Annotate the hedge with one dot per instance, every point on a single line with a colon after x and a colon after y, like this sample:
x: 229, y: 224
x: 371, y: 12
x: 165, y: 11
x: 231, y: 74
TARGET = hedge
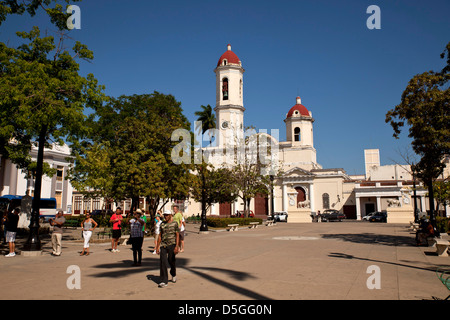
x: 443, y: 224
x: 224, y: 222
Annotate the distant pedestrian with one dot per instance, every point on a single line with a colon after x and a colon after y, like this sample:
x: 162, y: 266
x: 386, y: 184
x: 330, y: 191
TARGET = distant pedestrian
x: 116, y: 220
x: 4, y: 219
x: 137, y: 236
x: 144, y: 218
x: 178, y: 218
x: 11, y: 231
x: 177, y: 215
x: 88, y: 226
x: 158, y: 221
x: 182, y: 234
x: 57, y: 224
x: 167, y: 247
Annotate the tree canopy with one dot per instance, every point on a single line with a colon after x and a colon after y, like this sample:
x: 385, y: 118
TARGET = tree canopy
x: 42, y: 95
x: 425, y: 109
x: 127, y: 153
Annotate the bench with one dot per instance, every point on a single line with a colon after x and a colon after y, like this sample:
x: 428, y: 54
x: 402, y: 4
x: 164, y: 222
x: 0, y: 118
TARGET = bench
x: 105, y: 232
x: 444, y: 276
x: 269, y: 223
x: 441, y: 246
x: 233, y: 227
x: 71, y: 224
x: 253, y: 225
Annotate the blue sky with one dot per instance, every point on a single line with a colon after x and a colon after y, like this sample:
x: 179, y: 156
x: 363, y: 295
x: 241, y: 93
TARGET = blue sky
x: 347, y: 75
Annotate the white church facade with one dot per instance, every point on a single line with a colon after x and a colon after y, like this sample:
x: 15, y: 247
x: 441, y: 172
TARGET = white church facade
x: 302, y: 185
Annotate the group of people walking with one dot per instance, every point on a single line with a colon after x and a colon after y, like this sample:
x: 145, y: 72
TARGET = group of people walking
x: 169, y: 239
x: 169, y: 236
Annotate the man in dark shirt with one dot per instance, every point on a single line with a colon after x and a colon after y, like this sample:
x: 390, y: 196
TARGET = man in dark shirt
x: 11, y: 231
x: 167, y: 247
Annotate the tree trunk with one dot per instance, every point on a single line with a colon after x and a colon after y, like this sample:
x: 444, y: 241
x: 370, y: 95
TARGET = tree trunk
x: 431, y: 200
x: 34, y: 243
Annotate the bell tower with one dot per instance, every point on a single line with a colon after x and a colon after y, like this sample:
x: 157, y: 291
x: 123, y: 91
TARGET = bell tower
x: 229, y: 97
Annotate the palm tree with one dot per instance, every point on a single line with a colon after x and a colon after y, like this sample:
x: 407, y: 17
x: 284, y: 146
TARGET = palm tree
x: 207, y: 118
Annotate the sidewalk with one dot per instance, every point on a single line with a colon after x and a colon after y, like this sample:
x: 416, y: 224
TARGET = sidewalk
x: 326, y: 261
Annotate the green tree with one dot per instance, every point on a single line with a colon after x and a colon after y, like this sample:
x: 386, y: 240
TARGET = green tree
x: 207, y: 120
x: 425, y: 109
x: 127, y: 154
x: 441, y: 190
x: 42, y: 96
x: 42, y: 100
x: 212, y: 185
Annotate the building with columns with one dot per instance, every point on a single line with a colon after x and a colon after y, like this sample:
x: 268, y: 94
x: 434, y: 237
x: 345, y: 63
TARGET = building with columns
x: 303, y: 182
x: 13, y: 181
x: 304, y: 186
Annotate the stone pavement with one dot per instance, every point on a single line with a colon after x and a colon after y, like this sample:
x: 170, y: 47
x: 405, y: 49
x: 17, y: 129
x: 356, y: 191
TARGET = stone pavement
x: 318, y: 261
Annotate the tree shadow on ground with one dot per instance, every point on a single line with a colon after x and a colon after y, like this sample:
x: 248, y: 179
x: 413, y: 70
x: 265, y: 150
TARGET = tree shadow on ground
x: 124, y: 268
x: 372, y: 238
x: 405, y: 265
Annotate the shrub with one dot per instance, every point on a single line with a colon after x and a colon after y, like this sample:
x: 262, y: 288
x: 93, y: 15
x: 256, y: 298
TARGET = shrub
x: 224, y: 222
x: 442, y: 224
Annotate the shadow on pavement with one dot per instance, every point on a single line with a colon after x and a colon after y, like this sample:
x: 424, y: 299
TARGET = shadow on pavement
x: 349, y: 256
x: 124, y: 268
x: 372, y: 238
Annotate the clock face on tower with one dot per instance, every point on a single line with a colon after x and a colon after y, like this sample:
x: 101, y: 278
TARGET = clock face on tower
x: 225, y: 125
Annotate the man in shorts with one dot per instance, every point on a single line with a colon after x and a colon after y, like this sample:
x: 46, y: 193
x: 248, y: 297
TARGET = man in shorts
x: 116, y: 220
x: 11, y: 231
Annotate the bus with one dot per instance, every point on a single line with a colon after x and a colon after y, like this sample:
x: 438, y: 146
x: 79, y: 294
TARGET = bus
x: 46, y: 210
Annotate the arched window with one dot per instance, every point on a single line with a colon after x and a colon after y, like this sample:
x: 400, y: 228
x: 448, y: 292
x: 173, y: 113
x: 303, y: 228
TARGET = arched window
x: 297, y: 134
x: 326, y: 201
x: 225, y: 88
x: 240, y: 89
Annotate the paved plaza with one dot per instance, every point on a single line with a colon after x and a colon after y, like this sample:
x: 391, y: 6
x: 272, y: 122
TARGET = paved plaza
x: 330, y: 261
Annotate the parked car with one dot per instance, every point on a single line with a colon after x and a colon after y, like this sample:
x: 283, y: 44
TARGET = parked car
x: 367, y: 216
x: 280, y: 216
x: 378, y: 217
x: 331, y: 215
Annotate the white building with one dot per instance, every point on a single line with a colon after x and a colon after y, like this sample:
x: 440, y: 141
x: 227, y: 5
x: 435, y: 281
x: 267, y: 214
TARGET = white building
x: 13, y: 180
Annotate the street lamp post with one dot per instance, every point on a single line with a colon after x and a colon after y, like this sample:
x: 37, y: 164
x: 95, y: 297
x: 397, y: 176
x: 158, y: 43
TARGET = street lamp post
x: 271, y: 196
x: 416, y: 213
x: 204, y: 225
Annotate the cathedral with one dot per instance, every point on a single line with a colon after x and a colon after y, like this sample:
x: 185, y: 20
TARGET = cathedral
x: 302, y: 186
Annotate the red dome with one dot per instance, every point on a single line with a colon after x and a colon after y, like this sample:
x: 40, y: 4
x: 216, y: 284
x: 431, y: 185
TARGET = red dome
x: 300, y: 108
x: 230, y: 56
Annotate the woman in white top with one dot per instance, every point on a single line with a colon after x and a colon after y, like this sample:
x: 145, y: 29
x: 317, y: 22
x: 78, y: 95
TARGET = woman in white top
x: 88, y: 226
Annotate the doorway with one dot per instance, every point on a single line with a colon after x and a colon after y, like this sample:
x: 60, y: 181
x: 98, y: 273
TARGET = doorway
x: 370, y: 207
